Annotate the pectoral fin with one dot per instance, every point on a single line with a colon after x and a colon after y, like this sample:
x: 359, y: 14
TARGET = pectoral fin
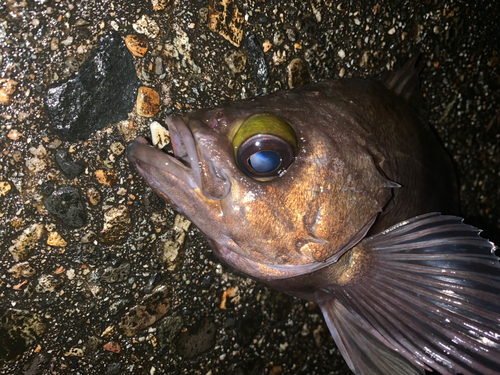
x: 432, y: 296
x: 363, y: 351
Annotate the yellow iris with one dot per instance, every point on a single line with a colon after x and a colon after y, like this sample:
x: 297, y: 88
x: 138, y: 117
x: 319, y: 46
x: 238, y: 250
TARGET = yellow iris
x: 265, y: 123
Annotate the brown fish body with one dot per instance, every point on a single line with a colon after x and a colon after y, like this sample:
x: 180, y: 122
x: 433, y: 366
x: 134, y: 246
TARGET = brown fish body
x: 344, y: 219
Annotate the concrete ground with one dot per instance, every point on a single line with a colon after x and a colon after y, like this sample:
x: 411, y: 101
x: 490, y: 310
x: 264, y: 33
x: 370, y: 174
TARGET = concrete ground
x: 77, y: 296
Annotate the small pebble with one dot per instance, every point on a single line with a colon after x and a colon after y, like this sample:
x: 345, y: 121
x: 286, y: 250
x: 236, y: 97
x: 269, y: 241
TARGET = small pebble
x: 151, y: 308
x: 14, y: 134
x: 17, y: 156
x: 70, y: 274
x: 266, y: 46
x: 117, y: 148
x: 158, y: 66
x: 112, y: 346
x: 278, y: 38
x: 147, y: 26
x: 236, y: 61
x: 148, y: 102
x: 67, y: 41
x: 228, y: 22
x: 74, y: 352
x: 106, y: 178
x: 298, y: 73
x: 88, y: 237
x: 55, y: 239
x: 25, y: 243
x: 72, y: 63
x: 291, y: 35
x: 7, y: 89
x: 47, y: 284
x: 160, y: 137
x: 38, y: 151
x: 4, y: 188
x: 54, y: 44
x: 159, y: 4
x: 117, y: 224
x: 93, y: 196
x: 137, y: 45
x: 22, y: 269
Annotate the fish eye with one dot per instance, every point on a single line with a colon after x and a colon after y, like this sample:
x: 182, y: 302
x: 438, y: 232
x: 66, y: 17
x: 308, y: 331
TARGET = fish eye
x: 265, y: 146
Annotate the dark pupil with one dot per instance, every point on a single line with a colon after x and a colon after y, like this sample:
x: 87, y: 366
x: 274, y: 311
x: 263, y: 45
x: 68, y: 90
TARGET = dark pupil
x: 265, y: 161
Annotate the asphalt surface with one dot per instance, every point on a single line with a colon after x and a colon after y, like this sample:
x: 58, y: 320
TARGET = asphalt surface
x: 71, y: 310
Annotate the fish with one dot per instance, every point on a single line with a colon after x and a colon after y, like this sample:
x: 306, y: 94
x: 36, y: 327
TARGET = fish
x: 338, y: 192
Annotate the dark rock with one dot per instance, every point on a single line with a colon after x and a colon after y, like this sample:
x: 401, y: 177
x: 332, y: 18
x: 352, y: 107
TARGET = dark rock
x: 67, y: 206
x: 117, y: 306
x: 257, y: 59
x: 48, y: 187
x: 309, y: 27
x: 153, y: 281
x: 152, y: 202
x: 230, y: 323
x: 103, y: 91
x: 263, y: 19
x: 152, y: 308
x: 168, y: 330
x: 247, y: 326
x: 206, y: 281
x: 197, y: 339
x: 118, y: 274
x: 37, y: 364
x: 19, y: 330
x: 113, y: 368
x: 70, y: 168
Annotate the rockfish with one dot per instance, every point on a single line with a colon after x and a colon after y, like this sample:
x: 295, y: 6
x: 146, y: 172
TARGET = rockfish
x: 337, y: 193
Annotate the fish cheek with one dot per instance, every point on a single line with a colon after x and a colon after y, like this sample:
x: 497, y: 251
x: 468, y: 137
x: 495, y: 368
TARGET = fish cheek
x: 257, y: 221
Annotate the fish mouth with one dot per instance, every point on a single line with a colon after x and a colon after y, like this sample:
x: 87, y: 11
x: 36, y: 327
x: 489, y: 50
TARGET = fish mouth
x: 182, y: 164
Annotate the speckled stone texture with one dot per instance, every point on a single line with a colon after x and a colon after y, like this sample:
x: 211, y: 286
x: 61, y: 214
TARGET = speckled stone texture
x: 42, y: 43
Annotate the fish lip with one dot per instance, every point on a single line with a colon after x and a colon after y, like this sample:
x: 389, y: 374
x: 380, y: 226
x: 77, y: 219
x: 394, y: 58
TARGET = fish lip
x: 185, y: 164
x: 185, y: 158
x: 144, y: 157
x: 182, y: 141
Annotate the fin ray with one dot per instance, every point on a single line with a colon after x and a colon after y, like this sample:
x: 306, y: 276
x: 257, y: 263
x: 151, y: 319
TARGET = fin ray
x: 432, y: 294
x: 364, y: 353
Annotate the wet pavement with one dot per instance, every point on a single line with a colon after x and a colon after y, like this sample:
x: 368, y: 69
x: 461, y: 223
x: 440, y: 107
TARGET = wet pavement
x: 97, y: 275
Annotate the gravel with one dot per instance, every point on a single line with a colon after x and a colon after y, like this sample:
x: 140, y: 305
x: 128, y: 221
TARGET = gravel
x: 81, y: 296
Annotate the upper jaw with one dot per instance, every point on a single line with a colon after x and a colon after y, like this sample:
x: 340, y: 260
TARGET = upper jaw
x: 184, y: 166
x: 151, y: 163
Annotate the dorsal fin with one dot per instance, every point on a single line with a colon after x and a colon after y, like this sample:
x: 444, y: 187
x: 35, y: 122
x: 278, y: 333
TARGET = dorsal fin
x: 405, y: 81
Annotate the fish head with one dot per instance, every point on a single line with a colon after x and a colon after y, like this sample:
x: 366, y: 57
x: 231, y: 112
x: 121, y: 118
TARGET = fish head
x: 278, y: 185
